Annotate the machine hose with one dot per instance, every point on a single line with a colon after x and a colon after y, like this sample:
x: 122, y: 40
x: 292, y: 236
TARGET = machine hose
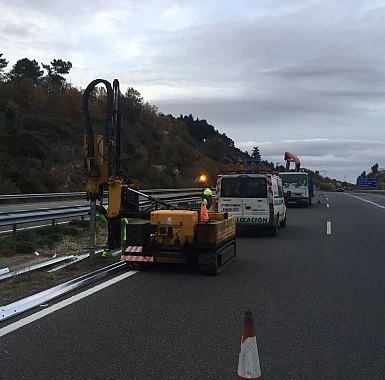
x: 89, y: 130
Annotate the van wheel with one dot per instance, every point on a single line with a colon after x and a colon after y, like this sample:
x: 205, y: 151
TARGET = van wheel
x: 274, y: 230
x: 283, y: 223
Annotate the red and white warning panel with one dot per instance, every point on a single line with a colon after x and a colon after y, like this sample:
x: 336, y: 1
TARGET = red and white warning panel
x: 146, y: 259
x: 134, y: 248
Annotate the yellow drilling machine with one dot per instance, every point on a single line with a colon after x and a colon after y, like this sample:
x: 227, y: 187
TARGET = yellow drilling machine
x: 165, y: 234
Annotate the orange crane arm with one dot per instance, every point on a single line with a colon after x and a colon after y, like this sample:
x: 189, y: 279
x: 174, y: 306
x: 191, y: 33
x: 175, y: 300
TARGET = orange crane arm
x: 290, y: 157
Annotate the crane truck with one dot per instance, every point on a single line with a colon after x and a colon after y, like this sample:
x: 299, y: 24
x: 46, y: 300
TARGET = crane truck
x: 165, y: 234
x: 298, y: 188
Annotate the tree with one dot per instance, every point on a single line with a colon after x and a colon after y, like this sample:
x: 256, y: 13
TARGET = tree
x: 256, y: 154
x: 199, y: 130
x: 363, y: 174
x: 56, y: 69
x: 374, y: 168
x: 131, y: 105
x: 3, y: 65
x: 25, y: 68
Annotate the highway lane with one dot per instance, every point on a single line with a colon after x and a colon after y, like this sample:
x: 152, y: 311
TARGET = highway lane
x: 376, y: 198
x: 317, y: 299
x: 354, y: 268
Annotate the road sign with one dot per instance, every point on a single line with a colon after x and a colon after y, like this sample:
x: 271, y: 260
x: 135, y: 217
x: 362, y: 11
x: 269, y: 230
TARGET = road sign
x: 367, y: 182
x: 252, y: 161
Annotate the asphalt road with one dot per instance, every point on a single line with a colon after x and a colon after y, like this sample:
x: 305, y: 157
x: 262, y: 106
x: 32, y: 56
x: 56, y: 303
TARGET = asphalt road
x: 316, y: 292
x: 370, y: 197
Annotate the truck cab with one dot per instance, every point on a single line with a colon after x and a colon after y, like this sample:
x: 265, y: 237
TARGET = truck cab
x: 256, y: 200
x: 298, y: 188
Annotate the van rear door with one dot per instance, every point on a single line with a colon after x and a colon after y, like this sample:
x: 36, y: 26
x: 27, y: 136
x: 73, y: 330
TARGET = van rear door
x: 230, y: 195
x: 246, y: 197
x: 255, y: 202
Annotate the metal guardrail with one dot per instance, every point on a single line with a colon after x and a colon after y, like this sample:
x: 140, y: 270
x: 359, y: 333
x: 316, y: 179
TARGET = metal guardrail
x: 8, y: 197
x: 36, y: 266
x: 42, y: 215
x: 35, y: 216
x: 28, y: 303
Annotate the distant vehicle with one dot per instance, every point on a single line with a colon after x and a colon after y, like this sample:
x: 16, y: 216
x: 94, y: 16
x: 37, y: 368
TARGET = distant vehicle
x: 297, y: 186
x: 256, y: 200
x: 340, y: 190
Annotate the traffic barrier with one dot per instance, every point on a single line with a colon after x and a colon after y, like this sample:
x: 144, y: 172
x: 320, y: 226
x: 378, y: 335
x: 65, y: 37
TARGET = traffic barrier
x: 248, y: 364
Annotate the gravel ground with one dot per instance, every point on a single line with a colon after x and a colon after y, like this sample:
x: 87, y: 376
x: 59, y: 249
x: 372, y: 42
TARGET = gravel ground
x: 24, y: 285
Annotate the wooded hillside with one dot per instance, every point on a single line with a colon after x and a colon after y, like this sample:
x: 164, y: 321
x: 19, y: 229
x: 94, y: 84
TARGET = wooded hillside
x: 42, y: 126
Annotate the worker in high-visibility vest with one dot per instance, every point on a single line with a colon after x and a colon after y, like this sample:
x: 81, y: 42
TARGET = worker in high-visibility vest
x: 101, y: 215
x: 208, y: 198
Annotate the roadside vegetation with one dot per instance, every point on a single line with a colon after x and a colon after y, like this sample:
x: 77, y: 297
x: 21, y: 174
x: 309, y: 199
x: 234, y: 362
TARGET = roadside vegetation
x: 42, y: 126
x: 43, y: 239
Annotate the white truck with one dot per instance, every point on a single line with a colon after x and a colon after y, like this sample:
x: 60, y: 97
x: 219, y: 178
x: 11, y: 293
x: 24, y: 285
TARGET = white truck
x: 297, y: 188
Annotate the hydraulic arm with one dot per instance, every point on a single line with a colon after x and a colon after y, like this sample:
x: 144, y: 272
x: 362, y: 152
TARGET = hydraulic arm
x: 105, y: 171
x: 102, y: 170
x: 290, y: 157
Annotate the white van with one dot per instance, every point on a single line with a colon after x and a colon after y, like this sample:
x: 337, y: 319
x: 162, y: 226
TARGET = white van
x: 255, y: 199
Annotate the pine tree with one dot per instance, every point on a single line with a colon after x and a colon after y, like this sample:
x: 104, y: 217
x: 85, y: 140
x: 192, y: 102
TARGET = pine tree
x: 256, y: 154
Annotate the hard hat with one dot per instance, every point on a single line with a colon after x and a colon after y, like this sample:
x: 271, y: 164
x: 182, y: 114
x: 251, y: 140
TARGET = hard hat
x: 208, y: 192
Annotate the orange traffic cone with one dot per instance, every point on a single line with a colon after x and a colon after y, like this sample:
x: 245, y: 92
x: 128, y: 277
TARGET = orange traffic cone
x: 204, y: 215
x: 248, y: 364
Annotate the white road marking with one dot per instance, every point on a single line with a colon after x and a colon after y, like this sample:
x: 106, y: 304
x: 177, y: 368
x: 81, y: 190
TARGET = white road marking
x: 328, y: 229
x: 327, y: 205
x: 367, y: 201
x: 40, y: 314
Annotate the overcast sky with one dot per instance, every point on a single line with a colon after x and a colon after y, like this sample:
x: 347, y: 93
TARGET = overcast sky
x: 285, y: 75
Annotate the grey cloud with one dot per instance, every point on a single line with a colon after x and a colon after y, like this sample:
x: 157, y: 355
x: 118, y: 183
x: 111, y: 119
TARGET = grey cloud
x: 284, y: 69
x: 70, y: 8
x: 375, y: 93
x: 327, y: 69
x: 258, y: 111
x: 17, y: 31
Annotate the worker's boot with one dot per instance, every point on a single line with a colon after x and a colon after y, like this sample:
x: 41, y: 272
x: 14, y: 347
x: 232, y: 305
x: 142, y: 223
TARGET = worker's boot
x: 107, y: 253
